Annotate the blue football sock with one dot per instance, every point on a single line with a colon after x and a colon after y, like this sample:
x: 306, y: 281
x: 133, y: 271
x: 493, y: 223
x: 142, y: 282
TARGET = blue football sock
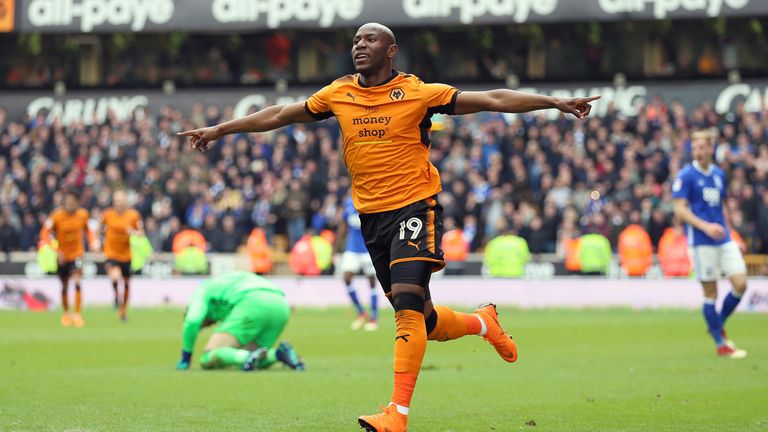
x: 374, y: 305
x: 729, y: 305
x: 353, y: 296
x: 714, y: 325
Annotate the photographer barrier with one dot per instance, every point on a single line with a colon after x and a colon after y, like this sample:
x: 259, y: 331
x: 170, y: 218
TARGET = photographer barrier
x: 467, y: 292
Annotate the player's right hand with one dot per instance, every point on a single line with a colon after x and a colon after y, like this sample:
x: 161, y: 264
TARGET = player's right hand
x: 714, y: 231
x: 201, y: 139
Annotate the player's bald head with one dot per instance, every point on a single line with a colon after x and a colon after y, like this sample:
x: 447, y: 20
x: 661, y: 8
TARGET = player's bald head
x: 373, y: 49
x: 378, y: 28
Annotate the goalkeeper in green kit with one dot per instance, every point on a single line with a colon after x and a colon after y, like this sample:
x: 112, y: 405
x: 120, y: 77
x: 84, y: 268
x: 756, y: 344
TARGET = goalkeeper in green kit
x: 252, y: 312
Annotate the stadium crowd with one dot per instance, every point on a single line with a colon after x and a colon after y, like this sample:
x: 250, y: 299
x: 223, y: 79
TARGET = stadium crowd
x: 541, y: 178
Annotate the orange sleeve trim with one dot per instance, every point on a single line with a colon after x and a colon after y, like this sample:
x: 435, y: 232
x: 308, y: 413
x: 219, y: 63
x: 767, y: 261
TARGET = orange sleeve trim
x: 440, y: 263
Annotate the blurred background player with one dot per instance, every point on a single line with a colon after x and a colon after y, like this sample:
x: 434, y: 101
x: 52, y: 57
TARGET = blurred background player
x: 120, y: 222
x: 252, y: 312
x: 68, y: 224
x: 699, y: 192
x: 355, y: 260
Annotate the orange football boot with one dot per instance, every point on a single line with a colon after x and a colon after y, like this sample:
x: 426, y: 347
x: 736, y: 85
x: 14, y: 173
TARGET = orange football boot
x: 389, y: 420
x: 77, y: 320
x: 66, y: 320
x: 495, y: 334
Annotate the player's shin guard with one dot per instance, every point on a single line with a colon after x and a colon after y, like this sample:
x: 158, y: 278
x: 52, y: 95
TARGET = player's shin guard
x: 410, y: 344
x: 374, y: 305
x: 78, y: 299
x: 223, y: 357
x: 355, y: 301
x: 714, y: 325
x: 449, y: 324
x: 729, y: 305
x: 126, y: 292
x: 64, y: 299
x: 117, y: 296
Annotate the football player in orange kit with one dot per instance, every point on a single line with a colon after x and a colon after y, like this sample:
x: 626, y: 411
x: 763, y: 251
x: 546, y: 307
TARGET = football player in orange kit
x: 68, y: 224
x: 384, y: 117
x: 120, y: 222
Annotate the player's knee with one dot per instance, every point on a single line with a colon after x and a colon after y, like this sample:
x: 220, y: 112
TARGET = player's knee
x: 430, y: 320
x: 710, y: 290
x: 740, y: 287
x: 408, y: 301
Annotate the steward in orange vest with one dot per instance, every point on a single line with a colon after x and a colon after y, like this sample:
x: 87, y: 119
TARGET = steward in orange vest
x: 186, y: 238
x: 635, y: 250
x: 258, y: 252
x: 673, y: 252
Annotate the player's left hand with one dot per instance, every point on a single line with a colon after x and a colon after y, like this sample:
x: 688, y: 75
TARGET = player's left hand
x: 579, y: 107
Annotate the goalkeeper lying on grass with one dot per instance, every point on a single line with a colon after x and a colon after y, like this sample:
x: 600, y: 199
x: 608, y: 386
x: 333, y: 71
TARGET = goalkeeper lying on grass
x: 252, y: 312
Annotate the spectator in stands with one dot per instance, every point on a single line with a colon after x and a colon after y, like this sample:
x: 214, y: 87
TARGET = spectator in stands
x: 153, y: 233
x: 228, y: 237
x: 491, y: 167
x: 295, y: 211
x: 9, y: 237
x: 28, y: 234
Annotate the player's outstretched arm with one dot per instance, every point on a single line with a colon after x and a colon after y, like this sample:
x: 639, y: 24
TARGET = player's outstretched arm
x: 268, y: 119
x: 193, y: 322
x: 510, y: 101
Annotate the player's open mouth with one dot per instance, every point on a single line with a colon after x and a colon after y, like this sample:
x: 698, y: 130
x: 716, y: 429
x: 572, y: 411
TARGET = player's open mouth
x: 361, y: 56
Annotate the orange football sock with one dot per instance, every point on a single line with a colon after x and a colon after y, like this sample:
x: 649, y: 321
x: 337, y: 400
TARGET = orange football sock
x: 78, y: 301
x: 410, y: 344
x: 453, y: 325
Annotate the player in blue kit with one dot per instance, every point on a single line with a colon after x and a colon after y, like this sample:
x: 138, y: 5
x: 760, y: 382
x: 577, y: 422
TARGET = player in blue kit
x: 699, y: 192
x: 356, y: 260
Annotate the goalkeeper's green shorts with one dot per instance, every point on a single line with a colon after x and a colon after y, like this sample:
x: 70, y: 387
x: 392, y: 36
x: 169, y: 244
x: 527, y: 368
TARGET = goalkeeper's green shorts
x: 258, y: 318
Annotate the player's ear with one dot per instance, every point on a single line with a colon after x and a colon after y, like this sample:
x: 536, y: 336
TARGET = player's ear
x: 392, y: 51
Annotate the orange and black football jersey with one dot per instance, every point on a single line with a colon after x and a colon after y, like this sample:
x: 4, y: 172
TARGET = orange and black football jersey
x: 68, y: 229
x: 117, y: 245
x: 385, y: 130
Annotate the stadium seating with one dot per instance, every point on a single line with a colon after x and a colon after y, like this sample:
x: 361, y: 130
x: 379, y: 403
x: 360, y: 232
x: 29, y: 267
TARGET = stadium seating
x: 527, y: 175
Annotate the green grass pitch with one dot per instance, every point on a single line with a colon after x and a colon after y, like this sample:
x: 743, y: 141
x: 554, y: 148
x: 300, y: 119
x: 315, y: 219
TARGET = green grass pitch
x: 587, y: 370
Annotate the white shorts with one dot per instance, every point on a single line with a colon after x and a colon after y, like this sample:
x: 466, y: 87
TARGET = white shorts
x: 356, y: 262
x: 712, y: 262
